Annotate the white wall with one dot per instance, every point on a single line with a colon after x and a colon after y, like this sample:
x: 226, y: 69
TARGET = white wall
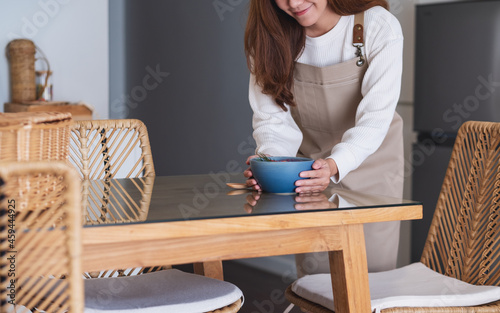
x: 117, y: 89
x: 404, y: 10
x: 73, y: 34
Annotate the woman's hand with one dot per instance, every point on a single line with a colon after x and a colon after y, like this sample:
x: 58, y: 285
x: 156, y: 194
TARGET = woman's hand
x: 319, y: 177
x: 251, y: 182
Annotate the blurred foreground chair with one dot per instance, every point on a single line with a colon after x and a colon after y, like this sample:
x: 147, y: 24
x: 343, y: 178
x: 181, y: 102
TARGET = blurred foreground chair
x: 459, y: 270
x: 40, y: 225
x: 34, y: 136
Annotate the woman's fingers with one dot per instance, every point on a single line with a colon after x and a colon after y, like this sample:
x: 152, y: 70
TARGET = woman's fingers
x: 251, y: 157
x: 251, y: 182
x: 319, y: 164
x: 313, y: 185
x: 318, y: 179
x: 247, y: 173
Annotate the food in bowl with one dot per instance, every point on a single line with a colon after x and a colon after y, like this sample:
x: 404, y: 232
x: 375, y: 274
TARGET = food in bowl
x: 279, y: 174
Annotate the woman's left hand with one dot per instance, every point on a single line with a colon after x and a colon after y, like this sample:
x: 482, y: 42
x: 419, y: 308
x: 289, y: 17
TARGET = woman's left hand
x: 319, y: 177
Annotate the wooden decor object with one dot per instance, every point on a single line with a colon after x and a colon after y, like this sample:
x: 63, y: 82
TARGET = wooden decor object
x: 21, y: 56
x: 79, y: 111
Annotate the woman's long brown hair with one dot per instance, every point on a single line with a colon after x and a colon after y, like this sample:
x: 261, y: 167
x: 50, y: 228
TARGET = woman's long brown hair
x: 274, y: 41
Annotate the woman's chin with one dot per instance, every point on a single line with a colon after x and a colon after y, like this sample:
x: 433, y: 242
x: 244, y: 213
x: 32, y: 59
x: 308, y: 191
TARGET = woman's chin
x: 306, y: 22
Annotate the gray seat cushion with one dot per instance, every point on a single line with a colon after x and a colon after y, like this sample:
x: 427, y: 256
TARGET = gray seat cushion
x: 164, y: 291
x: 414, y: 285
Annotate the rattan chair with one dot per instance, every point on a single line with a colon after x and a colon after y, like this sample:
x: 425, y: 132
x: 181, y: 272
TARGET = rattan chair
x: 464, y: 238
x: 106, y: 149
x: 34, y: 136
x: 39, y: 236
x: 103, y: 149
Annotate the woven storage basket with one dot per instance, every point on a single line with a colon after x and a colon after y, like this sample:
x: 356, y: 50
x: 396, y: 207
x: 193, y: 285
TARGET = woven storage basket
x: 21, y: 56
x: 34, y: 136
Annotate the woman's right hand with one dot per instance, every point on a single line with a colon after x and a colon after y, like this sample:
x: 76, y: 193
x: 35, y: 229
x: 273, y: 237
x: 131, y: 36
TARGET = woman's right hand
x: 251, y: 182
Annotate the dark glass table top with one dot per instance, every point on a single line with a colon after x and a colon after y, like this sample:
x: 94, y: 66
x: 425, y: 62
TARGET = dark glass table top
x: 192, y: 197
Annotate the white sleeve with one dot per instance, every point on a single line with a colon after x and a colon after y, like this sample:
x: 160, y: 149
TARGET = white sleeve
x: 275, y: 131
x: 380, y: 89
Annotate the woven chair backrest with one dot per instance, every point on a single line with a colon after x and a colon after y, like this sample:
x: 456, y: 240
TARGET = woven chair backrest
x: 106, y: 149
x: 464, y: 237
x: 40, y: 225
x: 111, y: 149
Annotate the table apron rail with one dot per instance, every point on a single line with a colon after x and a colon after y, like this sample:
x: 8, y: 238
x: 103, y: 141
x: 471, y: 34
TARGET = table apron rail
x: 211, y: 248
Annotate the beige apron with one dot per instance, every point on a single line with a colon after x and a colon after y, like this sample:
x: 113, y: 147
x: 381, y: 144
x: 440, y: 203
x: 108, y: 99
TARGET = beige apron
x: 327, y: 99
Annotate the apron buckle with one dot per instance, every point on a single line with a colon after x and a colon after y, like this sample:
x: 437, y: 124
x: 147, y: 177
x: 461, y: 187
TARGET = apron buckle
x: 359, y: 53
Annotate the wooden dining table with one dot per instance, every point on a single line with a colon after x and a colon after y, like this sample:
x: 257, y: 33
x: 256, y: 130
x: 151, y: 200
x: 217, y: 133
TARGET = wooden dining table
x: 162, y: 220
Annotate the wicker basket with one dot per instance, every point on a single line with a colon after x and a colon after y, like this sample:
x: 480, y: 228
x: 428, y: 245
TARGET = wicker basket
x: 21, y: 56
x: 34, y: 136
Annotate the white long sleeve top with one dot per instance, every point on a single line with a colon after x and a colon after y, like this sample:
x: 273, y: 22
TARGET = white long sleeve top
x: 277, y: 134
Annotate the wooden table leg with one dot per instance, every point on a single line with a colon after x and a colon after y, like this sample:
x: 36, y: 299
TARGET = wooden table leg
x: 349, y: 271
x: 211, y: 269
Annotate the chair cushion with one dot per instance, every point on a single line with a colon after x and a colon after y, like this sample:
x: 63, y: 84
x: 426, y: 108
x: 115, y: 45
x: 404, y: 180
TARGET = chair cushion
x: 414, y: 285
x: 16, y: 309
x: 164, y: 291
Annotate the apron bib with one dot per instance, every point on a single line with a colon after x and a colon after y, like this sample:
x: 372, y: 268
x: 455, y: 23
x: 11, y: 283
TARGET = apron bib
x: 327, y: 99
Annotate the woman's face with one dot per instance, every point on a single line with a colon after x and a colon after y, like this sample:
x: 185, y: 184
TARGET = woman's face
x: 311, y: 14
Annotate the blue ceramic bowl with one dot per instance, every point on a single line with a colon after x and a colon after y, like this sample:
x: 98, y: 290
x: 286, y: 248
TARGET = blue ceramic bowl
x: 279, y: 176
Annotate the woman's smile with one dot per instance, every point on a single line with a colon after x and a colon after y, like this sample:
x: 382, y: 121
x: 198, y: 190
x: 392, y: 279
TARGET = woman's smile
x: 300, y: 13
x: 316, y: 16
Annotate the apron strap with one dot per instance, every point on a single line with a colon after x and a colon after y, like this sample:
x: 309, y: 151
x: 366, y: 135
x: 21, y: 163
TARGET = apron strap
x: 357, y: 33
x: 358, y: 37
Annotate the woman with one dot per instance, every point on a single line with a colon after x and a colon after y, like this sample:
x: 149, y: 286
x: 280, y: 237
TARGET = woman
x: 325, y: 81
